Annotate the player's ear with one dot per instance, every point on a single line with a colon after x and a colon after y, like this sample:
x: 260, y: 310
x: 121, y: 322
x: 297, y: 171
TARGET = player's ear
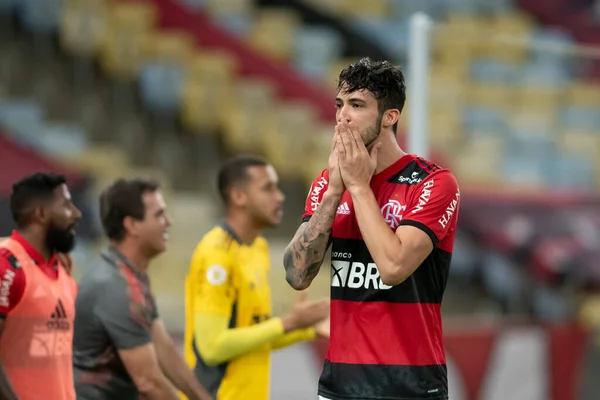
x: 390, y: 117
x: 130, y: 225
x: 237, y: 196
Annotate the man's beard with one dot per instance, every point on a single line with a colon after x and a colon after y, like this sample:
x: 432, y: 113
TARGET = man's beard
x: 60, y: 240
x: 373, y: 133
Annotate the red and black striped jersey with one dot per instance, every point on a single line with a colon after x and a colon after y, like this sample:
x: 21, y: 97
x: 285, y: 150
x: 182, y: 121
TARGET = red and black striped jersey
x: 386, y: 342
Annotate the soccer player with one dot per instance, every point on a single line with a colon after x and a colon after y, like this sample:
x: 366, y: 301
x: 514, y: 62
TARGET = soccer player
x: 229, y: 328
x: 391, y: 218
x: 121, y: 349
x: 37, y: 295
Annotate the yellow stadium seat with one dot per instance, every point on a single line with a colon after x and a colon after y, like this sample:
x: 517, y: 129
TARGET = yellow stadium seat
x: 580, y: 142
x: 170, y: 45
x: 319, y: 143
x: 211, y: 66
x: 273, y: 32
x: 251, y: 102
x: 125, y: 47
x: 583, y: 94
x: 362, y: 9
x: 479, y: 162
x: 220, y: 7
x: 490, y: 95
x: 506, y: 41
x: 537, y: 97
x: 445, y: 130
x: 284, y: 138
x: 83, y: 26
x: 333, y: 72
x: 537, y: 119
x: 203, y: 104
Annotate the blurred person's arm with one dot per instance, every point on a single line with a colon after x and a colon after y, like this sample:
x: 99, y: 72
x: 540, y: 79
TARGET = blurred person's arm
x: 173, y: 365
x: 294, y: 337
x: 130, y: 331
x: 398, y: 254
x: 305, y: 253
x: 13, y: 284
x: 217, y: 338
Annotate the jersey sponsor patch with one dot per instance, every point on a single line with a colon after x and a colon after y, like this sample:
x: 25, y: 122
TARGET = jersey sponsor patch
x: 216, y: 275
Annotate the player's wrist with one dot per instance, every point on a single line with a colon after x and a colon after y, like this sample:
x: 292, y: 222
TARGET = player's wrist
x: 289, y: 323
x: 333, y: 194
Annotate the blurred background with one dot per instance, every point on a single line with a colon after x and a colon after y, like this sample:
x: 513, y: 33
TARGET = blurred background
x: 100, y: 89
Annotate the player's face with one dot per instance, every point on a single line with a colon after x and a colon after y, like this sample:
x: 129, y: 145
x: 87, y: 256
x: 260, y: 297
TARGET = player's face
x: 62, y: 216
x: 153, y: 230
x: 359, y: 109
x: 264, y: 199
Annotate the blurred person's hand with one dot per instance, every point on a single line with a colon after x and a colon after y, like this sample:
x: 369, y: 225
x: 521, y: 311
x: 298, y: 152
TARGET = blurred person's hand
x: 305, y: 313
x: 322, y: 328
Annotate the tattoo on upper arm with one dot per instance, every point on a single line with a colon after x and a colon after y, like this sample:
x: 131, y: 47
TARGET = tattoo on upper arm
x: 305, y: 254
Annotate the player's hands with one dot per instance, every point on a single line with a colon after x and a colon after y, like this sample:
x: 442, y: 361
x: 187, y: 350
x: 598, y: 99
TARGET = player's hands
x: 305, y: 313
x: 322, y: 328
x: 66, y: 261
x: 336, y: 185
x: 357, y: 164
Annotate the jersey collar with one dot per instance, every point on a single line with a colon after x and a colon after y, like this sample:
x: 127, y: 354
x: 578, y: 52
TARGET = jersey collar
x: 31, y: 251
x: 115, y: 257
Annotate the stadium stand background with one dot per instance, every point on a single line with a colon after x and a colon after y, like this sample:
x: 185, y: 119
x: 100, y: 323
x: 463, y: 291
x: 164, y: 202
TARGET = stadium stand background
x: 168, y: 88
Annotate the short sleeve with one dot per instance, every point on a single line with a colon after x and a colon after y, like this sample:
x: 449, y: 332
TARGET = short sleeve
x: 128, y: 323
x: 434, y: 206
x: 212, y: 278
x: 315, y: 194
x: 12, y: 284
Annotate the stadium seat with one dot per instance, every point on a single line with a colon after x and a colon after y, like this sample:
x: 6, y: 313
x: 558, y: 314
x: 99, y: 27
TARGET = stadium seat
x: 558, y: 39
x: 365, y: 9
x: 585, y: 143
x: 252, y: 100
x: 580, y: 118
x: 238, y: 24
x: 319, y: 148
x: 445, y: 130
x: 493, y: 71
x: 493, y: 95
x: 479, y: 162
x: 172, y: 46
x: 485, y: 119
x: 203, y: 105
x: 58, y: 140
x: 315, y: 49
x: 571, y: 172
x: 130, y: 25
x: 538, y: 144
x: 273, y: 32
x: 41, y: 16
x: 548, y: 74
x: 83, y: 26
x: 284, y: 138
x: 390, y: 35
x: 161, y: 86
x: 229, y: 7
x: 535, y: 119
x: 404, y: 9
x: 582, y: 94
x: 332, y: 74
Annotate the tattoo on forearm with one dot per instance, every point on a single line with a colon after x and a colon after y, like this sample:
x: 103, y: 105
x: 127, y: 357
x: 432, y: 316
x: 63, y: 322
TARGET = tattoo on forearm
x: 304, y: 256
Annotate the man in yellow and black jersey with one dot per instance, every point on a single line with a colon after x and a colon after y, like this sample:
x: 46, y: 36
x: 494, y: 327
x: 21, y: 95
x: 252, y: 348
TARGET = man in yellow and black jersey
x: 229, y: 329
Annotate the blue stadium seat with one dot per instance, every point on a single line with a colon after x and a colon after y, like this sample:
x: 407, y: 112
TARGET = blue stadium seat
x: 544, y: 73
x: 519, y: 169
x: 58, y: 140
x: 238, y: 24
x: 391, y: 35
x: 542, y: 55
x: 461, y: 6
x: 483, y: 119
x: 580, y: 118
x: 531, y: 142
x: 315, y: 48
x: 570, y: 172
x: 493, y: 71
x: 42, y: 16
x: 161, y: 86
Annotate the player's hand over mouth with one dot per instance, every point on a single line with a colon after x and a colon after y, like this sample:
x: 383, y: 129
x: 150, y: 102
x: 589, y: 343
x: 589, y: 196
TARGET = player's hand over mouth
x: 357, y: 164
x: 336, y: 185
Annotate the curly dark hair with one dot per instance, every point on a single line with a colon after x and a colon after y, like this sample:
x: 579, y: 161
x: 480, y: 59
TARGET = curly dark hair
x: 381, y: 78
x: 29, y: 192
